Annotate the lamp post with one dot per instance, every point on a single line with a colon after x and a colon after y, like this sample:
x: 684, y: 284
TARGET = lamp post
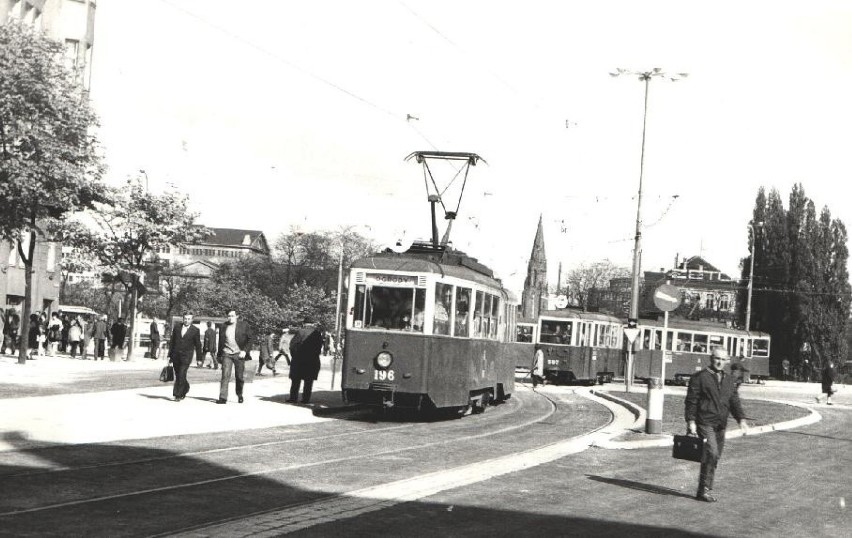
x: 751, y: 275
x: 144, y: 173
x: 644, y: 76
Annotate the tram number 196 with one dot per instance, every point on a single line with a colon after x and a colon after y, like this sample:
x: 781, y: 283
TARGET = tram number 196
x: 383, y: 375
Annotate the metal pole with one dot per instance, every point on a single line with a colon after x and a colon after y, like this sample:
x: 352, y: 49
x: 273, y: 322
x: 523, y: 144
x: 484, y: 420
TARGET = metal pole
x: 637, y: 243
x: 337, y: 314
x: 750, y: 280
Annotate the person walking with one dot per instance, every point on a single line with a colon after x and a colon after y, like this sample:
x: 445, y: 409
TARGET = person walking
x: 305, y: 348
x: 537, y: 370
x: 75, y: 337
x: 267, y: 358
x: 234, y: 347
x: 711, y: 395
x: 88, y: 327
x: 210, y: 346
x: 829, y: 375
x: 118, y: 331
x: 186, y: 341
x: 13, y: 325
x: 284, y: 346
x: 99, y: 334
x: 154, y: 331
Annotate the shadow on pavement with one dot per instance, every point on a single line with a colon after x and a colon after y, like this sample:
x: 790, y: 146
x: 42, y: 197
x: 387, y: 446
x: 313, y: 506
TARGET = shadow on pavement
x: 630, y: 484
x: 117, y: 490
x: 156, y: 397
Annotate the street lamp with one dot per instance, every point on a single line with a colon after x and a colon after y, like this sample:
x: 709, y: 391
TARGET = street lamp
x: 751, y: 274
x: 646, y: 77
x: 144, y: 173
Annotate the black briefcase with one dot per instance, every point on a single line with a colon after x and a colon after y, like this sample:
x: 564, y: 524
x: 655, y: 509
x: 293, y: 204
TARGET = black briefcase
x: 688, y: 447
x: 167, y: 373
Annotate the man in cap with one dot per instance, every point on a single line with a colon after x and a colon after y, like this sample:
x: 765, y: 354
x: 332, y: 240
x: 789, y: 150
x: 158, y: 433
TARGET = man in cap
x: 711, y: 395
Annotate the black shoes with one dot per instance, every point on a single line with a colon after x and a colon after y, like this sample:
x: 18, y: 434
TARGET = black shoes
x: 705, y: 496
x: 221, y: 401
x: 240, y: 399
x: 179, y: 398
x: 291, y: 400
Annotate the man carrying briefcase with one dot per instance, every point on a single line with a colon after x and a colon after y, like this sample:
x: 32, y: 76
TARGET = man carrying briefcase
x: 712, y: 393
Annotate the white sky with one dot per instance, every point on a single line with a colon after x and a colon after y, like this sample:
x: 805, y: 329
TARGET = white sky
x: 271, y: 113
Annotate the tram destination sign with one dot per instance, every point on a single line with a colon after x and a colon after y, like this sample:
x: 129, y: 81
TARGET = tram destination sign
x: 667, y: 297
x: 388, y: 279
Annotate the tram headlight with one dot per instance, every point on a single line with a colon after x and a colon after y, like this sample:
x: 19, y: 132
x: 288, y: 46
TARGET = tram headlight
x: 383, y: 360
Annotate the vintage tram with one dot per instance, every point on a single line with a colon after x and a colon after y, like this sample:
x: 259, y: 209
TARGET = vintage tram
x: 426, y: 329
x: 580, y: 347
x: 689, y: 344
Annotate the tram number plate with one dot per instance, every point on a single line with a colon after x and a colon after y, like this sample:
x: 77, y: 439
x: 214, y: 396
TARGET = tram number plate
x: 383, y: 375
x: 553, y: 362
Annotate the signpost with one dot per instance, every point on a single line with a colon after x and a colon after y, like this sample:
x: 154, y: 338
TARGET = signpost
x: 666, y: 298
x: 631, y: 332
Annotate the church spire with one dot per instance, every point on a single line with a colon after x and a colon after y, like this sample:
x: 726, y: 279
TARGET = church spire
x: 535, y: 286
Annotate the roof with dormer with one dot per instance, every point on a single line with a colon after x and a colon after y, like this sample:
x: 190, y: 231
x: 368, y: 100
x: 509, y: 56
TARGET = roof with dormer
x: 236, y: 238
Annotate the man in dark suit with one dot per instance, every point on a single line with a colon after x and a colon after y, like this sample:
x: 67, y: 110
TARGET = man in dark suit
x: 185, y: 341
x: 233, y: 352
x: 305, y: 350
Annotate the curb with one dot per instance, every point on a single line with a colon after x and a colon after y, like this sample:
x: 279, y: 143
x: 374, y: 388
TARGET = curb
x: 667, y: 439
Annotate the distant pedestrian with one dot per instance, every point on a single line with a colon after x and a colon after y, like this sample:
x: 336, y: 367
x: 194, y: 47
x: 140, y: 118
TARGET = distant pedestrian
x: 33, y: 336
x: 537, y: 368
x: 186, y: 341
x: 88, y: 327
x: 284, y: 346
x: 10, y: 334
x: 305, y: 348
x: 233, y: 352
x: 154, y: 332
x: 118, y: 332
x: 75, y: 337
x: 210, y: 346
x: 66, y: 326
x: 829, y: 376
x: 711, y: 395
x: 54, y: 333
x: 268, y: 344
x: 99, y: 334
x: 785, y: 368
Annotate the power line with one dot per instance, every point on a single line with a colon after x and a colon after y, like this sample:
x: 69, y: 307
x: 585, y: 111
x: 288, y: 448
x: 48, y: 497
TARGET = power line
x: 294, y: 66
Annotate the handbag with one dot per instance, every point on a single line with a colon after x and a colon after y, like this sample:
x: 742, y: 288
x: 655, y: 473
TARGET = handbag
x: 167, y: 374
x: 688, y: 447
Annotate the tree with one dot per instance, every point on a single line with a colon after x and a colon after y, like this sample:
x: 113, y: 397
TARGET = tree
x: 584, y: 280
x: 49, y: 163
x: 127, y: 234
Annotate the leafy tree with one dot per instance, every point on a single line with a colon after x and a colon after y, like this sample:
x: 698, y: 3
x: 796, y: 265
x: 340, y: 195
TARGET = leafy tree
x: 49, y: 163
x: 801, y: 291
x: 583, y: 281
x: 127, y: 234
x: 216, y: 298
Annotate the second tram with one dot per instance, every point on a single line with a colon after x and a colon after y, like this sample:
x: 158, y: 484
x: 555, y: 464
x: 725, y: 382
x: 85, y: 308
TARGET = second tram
x: 690, y: 343
x: 580, y: 347
x: 426, y: 329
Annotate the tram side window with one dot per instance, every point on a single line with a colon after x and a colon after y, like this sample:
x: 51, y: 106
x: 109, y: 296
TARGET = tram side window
x: 555, y: 332
x: 699, y: 343
x: 443, y: 307
x: 658, y: 342
x: 684, y: 341
x: 495, y: 316
x: 390, y: 308
x: 524, y: 333
x: 715, y: 341
x: 478, y: 318
x: 760, y: 347
x: 463, y: 296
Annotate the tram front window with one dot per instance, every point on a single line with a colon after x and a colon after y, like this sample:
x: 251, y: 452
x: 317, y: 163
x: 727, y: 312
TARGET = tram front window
x: 390, y: 308
x: 760, y: 347
x: 555, y: 332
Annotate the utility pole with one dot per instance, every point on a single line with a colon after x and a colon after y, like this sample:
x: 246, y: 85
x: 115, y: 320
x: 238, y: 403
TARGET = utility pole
x: 644, y: 76
x: 751, y: 275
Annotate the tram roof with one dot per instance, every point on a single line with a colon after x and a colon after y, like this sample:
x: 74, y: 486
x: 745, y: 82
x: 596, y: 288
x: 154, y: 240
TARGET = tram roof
x: 443, y: 261
x: 704, y: 326
x: 574, y: 313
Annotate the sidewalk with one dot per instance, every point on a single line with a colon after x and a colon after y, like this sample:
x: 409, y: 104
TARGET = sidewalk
x: 147, y: 412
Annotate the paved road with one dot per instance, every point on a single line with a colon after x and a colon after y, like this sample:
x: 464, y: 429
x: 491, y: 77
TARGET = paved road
x: 149, y: 466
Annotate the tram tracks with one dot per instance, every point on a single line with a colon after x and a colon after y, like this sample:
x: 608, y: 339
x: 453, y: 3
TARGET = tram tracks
x: 218, y: 458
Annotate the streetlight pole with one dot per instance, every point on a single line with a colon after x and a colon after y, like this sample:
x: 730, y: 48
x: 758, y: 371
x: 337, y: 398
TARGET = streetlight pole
x: 144, y: 173
x: 751, y: 275
x: 644, y: 76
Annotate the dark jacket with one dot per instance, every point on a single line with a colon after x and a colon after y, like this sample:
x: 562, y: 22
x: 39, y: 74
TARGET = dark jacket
x: 118, y: 331
x: 242, y: 335
x: 210, y: 341
x: 708, y: 401
x: 155, y: 332
x: 181, y: 348
x: 828, y: 376
x: 305, y: 350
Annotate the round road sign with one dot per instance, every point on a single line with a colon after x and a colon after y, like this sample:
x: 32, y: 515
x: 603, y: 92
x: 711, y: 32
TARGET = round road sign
x: 561, y: 301
x: 667, y: 297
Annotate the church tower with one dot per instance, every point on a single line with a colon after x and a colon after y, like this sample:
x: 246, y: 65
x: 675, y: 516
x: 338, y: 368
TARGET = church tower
x: 535, y: 286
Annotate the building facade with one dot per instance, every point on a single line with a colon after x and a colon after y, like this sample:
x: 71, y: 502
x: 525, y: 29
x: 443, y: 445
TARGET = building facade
x: 201, y: 258
x: 72, y: 23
